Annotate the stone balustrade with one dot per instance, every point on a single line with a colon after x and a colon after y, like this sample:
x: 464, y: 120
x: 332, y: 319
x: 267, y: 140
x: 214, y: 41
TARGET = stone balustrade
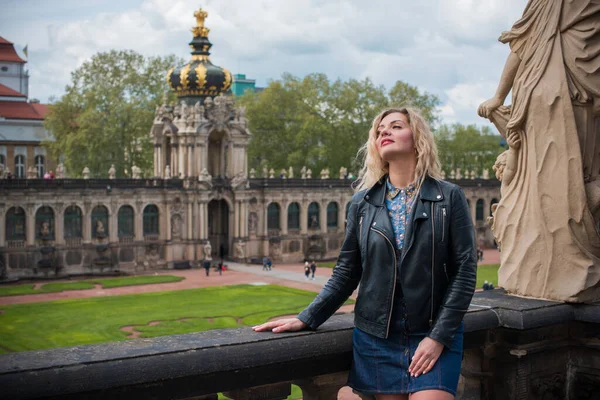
x: 514, y: 348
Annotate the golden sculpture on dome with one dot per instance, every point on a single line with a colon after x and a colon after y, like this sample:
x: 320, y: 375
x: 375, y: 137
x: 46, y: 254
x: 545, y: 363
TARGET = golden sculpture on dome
x: 200, y: 29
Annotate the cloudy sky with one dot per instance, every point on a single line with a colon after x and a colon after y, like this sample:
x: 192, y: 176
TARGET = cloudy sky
x: 445, y: 47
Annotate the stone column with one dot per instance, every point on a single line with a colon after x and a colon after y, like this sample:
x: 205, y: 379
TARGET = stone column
x: 59, y: 224
x: 138, y: 219
x: 323, y: 216
x: 473, y: 209
x: 160, y: 163
x: 113, y: 224
x: 3, y: 227
x: 195, y: 220
x: 30, y: 225
x: 181, y: 160
x: 87, y: 223
x: 342, y: 216
x: 190, y: 217
x: 168, y: 224
x: 236, y: 216
x: 283, y: 219
x: 205, y: 221
x: 198, y: 154
x: 304, y: 217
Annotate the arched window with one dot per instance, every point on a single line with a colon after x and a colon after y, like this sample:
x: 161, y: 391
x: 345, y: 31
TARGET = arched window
x: 100, y: 221
x: 494, y: 201
x: 313, y: 216
x: 294, y: 216
x: 273, y: 212
x: 125, y: 220
x: 20, y: 166
x: 15, y: 224
x: 151, y: 220
x: 44, y: 223
x: 332, y: 215
x: 479, y: 210
x: 40, y: 166
x: 72, y: 221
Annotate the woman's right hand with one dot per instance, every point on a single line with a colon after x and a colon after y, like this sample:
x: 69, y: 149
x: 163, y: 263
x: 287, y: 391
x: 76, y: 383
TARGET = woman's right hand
x: 281, y: 325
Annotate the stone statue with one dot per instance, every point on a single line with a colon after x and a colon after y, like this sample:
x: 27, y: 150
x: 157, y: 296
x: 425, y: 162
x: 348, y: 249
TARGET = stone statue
x: 546, y: 221
x: 112, y: 172
x: 136, y: 172
x: 99, y: 228
x: 240, y: 116
x: 45, y: 229
x: 291, y: 173
x: 453, y: 174
x: 252, y: 222
x: 443, y: 174
x: 240, y: 250
x: 199, y: 112
x: 473, y: 174
x: 60, y: 171
x: 167, y: 172
x: 239, y: 180
x: 204, y: 176
x: 176, y: 224
x: 265, y: 171
x: 271, y: 173
x: 86, y: 173
x: 486, y: 174
x: 283, y: 174
x: 252, y: 173
x: 458, y: 174
x: 303, y: 172
x: 208, y: 251
x: 309, y: 174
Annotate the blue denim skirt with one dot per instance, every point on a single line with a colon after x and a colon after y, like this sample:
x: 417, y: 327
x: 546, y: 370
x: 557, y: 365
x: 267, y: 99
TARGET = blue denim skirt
x: 380, y: 366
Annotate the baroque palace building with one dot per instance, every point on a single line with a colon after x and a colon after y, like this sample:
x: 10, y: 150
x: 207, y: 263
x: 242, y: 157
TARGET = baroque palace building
x: 202, y: 202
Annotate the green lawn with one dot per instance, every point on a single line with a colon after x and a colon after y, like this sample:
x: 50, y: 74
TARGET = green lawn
x: 45, y: 325
x: 487, y: 273
x: 484, y: 273
x: 17, y: 290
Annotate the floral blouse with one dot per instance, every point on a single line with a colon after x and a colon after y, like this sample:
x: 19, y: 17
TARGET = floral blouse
x: 399, y: 203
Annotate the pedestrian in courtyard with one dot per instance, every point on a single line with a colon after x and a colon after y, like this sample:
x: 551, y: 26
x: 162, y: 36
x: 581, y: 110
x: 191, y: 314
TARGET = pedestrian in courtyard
x: 306, y: 270
x: 410, y: 243
x: 313, y: 268
x: 206, y: 265
x: 220, y: 268
x: 265, y: 263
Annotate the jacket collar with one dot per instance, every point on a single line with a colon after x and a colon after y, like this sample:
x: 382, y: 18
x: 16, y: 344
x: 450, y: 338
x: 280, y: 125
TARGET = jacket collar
x: 430, y: 190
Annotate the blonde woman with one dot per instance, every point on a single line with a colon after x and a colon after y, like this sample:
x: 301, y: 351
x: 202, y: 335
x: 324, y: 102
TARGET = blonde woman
x: 410, y: 242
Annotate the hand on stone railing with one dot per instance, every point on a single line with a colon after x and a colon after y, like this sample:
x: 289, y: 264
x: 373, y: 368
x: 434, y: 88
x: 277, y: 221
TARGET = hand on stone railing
x: 281, y: 325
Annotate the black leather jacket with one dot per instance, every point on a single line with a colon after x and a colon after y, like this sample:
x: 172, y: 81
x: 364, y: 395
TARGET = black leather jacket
x: 437, y: 270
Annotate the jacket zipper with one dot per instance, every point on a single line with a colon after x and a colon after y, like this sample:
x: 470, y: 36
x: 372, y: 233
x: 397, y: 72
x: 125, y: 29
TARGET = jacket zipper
x: 387, y: 332
x: 446, y: 272
x: 443, y: 223
x: 432, y: 262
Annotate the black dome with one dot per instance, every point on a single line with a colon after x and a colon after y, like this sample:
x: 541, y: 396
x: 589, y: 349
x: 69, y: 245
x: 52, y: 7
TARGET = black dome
x: 199, y: 78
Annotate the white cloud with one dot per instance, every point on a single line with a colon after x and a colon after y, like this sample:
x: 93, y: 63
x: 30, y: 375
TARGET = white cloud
x: 448, y: 48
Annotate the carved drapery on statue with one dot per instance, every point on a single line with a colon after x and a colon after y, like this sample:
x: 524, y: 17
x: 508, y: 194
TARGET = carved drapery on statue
x: 550, y: 247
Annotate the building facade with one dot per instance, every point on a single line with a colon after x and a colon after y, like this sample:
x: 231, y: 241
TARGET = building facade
x: 201, y: 204
x: 21, y: 121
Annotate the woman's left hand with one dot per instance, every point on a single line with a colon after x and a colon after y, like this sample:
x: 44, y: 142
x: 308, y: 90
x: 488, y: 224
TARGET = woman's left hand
x: 425, y: 357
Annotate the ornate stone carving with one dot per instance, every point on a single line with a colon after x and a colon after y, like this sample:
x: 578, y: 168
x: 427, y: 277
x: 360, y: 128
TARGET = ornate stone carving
x: 220, y: 110
x: 86, y: 173
x: 239, y: 181
x: 308, y: 174
x: 136, y: 172
x: 252, y: 173
x: 252, y: 222
x: 291, y: 173
x: 271, y: 173
x: 167, y: 172
x: 240, y: 250
x: 303, y: 172
x: 176, y: 226
x: 265, y: 172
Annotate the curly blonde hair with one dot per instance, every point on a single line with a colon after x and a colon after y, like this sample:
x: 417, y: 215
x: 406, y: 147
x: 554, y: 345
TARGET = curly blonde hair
x: 374, y: 167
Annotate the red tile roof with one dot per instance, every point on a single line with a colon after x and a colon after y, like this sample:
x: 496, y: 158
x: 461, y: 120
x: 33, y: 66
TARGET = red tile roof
x: 22, y: 110
x: 8, y: 53
x: 8, y: 92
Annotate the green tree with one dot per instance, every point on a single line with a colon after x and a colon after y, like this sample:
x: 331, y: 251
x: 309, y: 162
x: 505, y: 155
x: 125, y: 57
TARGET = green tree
x: 319, y: 124
x: 469, y: 148
x: 107, y: 111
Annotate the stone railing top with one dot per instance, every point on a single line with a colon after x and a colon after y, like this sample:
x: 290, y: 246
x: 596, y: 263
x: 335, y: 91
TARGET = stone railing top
x: 195, y: 364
